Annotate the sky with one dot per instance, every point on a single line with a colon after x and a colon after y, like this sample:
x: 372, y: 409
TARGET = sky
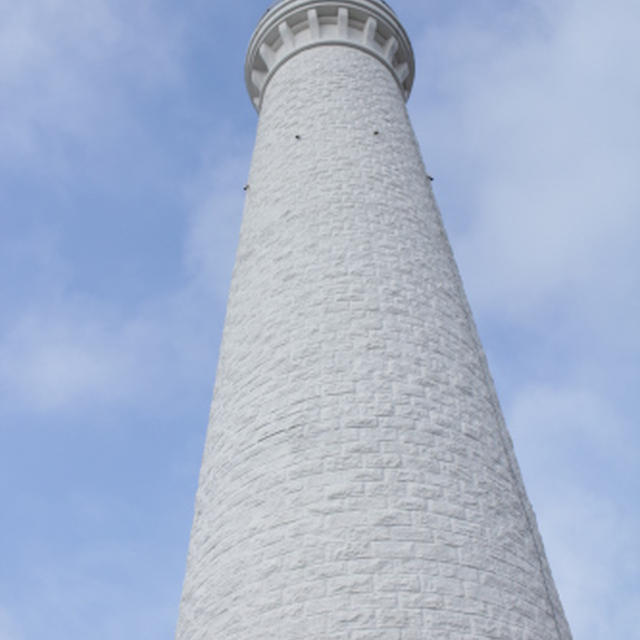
x: 125, y: 141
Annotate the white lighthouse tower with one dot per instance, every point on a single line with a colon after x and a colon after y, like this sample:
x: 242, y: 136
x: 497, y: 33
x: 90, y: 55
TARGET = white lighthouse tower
x: 358, y: 481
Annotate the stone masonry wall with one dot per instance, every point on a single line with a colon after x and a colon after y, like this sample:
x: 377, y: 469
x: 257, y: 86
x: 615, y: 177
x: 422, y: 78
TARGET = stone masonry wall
x: 358, y: 482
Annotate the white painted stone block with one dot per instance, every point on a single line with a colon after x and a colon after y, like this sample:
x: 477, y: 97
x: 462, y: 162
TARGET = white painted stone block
x: 358, y: 481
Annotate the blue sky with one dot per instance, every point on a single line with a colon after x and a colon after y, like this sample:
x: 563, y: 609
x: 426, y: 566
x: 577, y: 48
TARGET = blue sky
x: 125, y: 141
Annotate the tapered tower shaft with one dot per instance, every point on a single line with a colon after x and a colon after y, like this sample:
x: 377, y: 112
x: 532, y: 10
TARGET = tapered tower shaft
x: 358, y: 482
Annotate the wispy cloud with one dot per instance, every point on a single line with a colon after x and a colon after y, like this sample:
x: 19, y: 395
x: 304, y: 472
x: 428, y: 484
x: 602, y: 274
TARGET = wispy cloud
x: 550, y: 420
x: 214, y: 222
x: 534, y: 119
x: 79, y: 76
x: 8, y: 628
x: 61, y: 349
x: 96, y: 583
x: 65, y: 66
x: 528, y: 119
x: 593, y: 545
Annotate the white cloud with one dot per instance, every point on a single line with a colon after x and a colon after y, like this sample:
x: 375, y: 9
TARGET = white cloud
x: 8, y: 627
x: 215, y: 220
x: 61, y: 350
x: 578, y: 453
x: 593, y: 549
x: 75, y: 71
x: 527, y: 116
x: 536, y: 122
x: 65, y: 69
x: 49, y: 362
x: 80, y: 352
x: 550, y: 419
x: 94, y: 589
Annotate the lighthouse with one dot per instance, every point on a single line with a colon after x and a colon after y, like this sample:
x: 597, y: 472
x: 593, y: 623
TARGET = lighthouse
x: 358, y: 481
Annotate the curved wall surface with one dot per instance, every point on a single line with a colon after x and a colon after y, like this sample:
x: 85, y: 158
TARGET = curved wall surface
x: 358, y: 482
